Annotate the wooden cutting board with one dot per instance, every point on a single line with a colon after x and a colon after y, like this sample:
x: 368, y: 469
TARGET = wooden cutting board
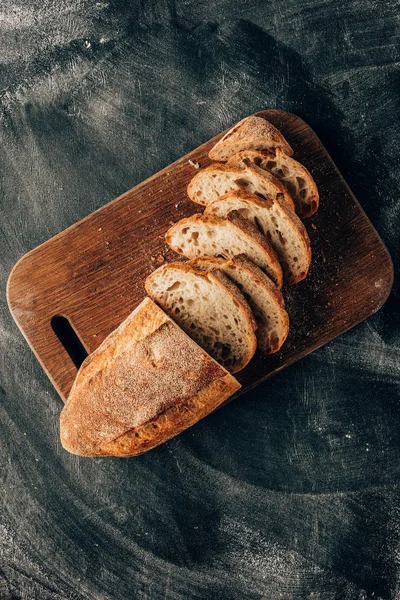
x: 91, y: 275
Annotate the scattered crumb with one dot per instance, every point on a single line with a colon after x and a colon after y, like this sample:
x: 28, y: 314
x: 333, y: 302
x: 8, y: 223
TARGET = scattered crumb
x: 100, y: 228
x: 323, y: 259
x: 194, y: 164
x: 313, y: 226
x: 158, y: 259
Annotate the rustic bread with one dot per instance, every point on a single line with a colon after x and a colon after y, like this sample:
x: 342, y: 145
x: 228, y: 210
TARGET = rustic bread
x: 264, y: 298
x: 210, y: 308
x: 277, y: 222
x: 252, y: 133
x: 296, y: 178
x: 147, y: 382
x: 208, y: 235
x: 218, y: 179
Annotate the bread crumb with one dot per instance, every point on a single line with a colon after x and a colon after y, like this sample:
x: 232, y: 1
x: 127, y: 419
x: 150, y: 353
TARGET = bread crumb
x: 100, y: 228
x: 194, y: 164
x: 159, y: 259
x: 313, y: 226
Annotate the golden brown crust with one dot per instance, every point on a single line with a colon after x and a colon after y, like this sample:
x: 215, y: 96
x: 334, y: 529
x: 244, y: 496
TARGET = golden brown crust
x: 252, y: 132
x: 143, y: 369
x: 172, y: 421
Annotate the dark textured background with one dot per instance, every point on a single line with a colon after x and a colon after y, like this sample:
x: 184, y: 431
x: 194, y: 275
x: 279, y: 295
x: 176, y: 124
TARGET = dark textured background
x: 291, y: 491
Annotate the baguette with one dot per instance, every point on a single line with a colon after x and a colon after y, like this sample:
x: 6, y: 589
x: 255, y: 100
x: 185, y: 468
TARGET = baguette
x: 264, y: 298
x: 208, y: 235
x: 147, y: 382
x: 252, y: 133
x: 209, y: 308
x: 218, y: 179
x: 277, y: 222
x: 294, y: 176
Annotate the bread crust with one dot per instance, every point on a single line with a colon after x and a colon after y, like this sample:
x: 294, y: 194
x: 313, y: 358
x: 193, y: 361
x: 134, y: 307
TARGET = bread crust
x: 110, y: 411
x: 250, y: 133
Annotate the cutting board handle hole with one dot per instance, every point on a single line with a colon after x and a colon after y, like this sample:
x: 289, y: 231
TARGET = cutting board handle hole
x: 69, y: 339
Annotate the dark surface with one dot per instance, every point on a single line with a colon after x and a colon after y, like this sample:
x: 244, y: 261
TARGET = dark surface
x: 291, y: 491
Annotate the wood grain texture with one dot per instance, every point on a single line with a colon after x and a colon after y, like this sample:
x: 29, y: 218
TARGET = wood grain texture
x: 93, y: 273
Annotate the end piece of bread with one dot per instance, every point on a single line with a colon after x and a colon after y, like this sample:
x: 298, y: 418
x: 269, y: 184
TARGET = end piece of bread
x: 208, y: 235
x: 147, y: 382
x: 218, y: 179
x: 277, y: 222
x: 252, y: 133
x: 264, y: 298
x: 209, y: 308
x: 294, y: 176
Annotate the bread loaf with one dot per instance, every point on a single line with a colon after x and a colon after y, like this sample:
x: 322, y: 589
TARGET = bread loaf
x: 147, y: 382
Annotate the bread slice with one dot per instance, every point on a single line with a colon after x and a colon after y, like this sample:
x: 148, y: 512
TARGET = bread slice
x: 147, y: 382
x: 277, y: 222
x: 209, y: 308
x: 218, y: 179
x: 264, y: 298
x: 252, y: 133
x: 208, y: 235
x: 295, y: 177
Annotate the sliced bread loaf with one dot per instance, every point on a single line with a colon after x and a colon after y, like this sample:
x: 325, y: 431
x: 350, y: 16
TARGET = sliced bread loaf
x: 209, y: 308
x: 296, y: 178
x: 264, y: 298
x: 252, y: 133
x: 208, y: 235
x: 145, y: 383
x: 218, y: 179
x: 277, y: 222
